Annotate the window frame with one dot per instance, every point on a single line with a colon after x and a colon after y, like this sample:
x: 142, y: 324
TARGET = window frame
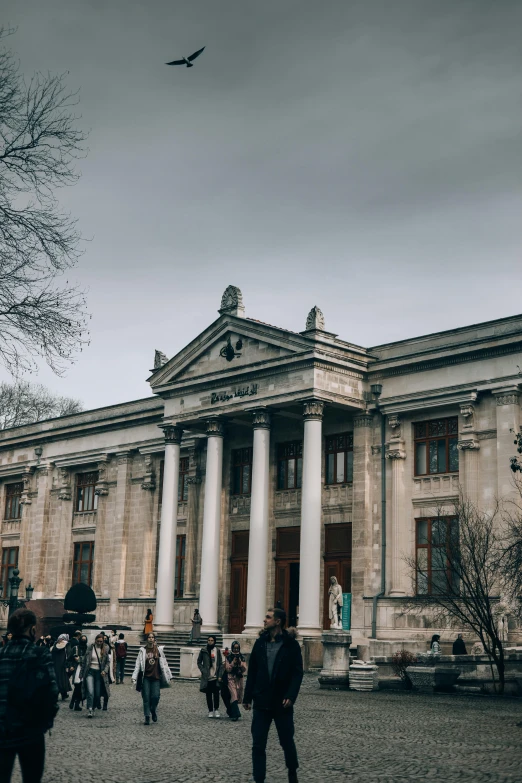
x: 426, y: 438
x: 242, y: 459
x: 82, y: 485
x: 9, y: 497
x: 336, y: 448
x: 78, y: 562
x: 287, y: 452
x: 182, y: 480
x: 428, y: 547
x: 7, y: 567
x: 179, y: 570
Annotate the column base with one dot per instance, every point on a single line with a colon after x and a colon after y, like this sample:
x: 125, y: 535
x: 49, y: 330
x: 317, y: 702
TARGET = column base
x: 305, y: 631
x: 163, y: 627
x: 335, y: 674
x: 397, y: 593
x: 208, y: 630
x: 252, y: 630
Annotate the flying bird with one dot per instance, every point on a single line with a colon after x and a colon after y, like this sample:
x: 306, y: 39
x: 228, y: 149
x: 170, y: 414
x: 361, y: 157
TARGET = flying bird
x: 187, y: 60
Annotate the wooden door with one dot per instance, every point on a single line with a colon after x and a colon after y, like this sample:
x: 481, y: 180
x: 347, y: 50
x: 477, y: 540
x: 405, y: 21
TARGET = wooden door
x: 238, y: 581
x: 287, y: 571
x: 337, y: 562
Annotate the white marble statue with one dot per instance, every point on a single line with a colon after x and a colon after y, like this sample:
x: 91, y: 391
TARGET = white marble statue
x: 335, y: 595
x: 504, y: 610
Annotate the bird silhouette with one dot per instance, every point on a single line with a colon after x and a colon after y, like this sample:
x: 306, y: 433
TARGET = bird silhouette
x: 187, y: 60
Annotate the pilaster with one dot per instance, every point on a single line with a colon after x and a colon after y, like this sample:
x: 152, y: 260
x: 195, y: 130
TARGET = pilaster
x: 361, y: 517
x: 194, y: 485
x: 468, y: 447
x: 508, y: 423
x: 396, y: 453
x: 119, y: 532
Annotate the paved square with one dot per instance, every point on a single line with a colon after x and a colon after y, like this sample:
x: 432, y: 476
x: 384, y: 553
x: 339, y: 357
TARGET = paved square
x: 340, y: 736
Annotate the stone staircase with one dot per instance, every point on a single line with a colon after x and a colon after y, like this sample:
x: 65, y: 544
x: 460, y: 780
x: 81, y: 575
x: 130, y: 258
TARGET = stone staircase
x: 172, y: 642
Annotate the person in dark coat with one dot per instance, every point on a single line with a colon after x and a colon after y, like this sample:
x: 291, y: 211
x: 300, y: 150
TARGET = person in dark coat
x: 459, y: 646
x: 60, y: 656
x: 211, y: 665
x: 274, y: 678
x: 78, y: 651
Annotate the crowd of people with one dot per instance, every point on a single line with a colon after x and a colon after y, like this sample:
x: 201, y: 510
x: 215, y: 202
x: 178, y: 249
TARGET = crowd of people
x: 35, y: 674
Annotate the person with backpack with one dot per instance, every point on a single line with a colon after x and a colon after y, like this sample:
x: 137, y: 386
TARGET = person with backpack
x: 121, y: 657
x: 95, y: 675
x: 28, y: 699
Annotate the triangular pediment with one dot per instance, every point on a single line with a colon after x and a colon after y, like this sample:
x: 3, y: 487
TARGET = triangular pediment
x: 230, y: 345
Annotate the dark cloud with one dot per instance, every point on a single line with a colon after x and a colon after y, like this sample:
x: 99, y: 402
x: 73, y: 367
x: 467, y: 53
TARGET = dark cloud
x: 362, y: 155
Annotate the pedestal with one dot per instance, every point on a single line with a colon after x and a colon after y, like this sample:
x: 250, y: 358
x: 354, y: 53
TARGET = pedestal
x: 188, y: 657
x: 336, y: 660
x: 364, y: 677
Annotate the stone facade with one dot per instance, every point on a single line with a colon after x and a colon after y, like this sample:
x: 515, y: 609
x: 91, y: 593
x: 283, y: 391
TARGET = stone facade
x: 244, y: 386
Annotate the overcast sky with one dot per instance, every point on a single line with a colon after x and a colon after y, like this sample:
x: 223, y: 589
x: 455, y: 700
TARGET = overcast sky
x: 364, y: 156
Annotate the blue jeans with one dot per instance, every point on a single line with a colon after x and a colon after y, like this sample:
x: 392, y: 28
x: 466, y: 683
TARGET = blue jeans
x: 93, y: 688
x: 150, y: 693
x: 120, y: 669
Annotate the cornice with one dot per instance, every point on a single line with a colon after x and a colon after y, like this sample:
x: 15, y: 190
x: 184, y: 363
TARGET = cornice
x: 435, y: 398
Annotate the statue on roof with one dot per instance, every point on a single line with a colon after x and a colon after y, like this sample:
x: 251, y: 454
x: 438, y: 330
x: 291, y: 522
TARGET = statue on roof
x: 232, y: 302
x: 315, y: 320
x: 159, y: 359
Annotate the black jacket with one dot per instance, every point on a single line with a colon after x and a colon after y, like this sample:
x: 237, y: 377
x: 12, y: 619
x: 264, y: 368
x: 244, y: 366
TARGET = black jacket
x: 266, y: 693
x: 459, y: 647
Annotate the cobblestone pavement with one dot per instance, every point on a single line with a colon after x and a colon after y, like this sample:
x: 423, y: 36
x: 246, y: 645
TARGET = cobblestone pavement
x: 341, y: 736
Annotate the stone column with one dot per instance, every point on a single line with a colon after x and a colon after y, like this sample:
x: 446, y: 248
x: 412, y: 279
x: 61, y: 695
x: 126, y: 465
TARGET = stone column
x: 119, y: 530
x: 39, y: 531
x: 194, y: 482
x: 258, y: 541
x: 63, y: 571
x: 468, y: 446
x: 148, y: 485
x: 508, y: 424
x: 397, y: 455
x: 310, y: 556
x: 101, y: 580
x: 361, y: 519
x: 209, y: 586
x: 164, y: 618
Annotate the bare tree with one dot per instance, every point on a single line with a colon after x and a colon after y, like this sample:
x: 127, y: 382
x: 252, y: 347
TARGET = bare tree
x: 512, y: 513
x: 41, y: 315
x: 25, y: 403
x: 462, y: 583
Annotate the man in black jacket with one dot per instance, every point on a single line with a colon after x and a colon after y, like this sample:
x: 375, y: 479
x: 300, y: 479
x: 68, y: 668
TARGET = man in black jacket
x: 275, y: 674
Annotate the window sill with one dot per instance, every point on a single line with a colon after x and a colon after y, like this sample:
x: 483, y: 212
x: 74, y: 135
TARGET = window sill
x: 13, y: 519
x: 340, y: 484
x: 436, y: 475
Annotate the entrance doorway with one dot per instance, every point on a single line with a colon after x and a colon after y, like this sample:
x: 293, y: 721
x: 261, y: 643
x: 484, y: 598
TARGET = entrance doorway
x: 238, y: 581
x: 337, y: 562
x: 288, y: 541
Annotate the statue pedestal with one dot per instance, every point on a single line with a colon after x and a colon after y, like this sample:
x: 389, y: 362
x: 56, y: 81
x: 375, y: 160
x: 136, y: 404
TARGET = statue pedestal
x: 336, y: 660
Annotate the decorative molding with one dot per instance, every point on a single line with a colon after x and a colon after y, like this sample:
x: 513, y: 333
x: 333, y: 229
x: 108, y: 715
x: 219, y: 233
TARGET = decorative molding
x: 173, y: 434
x: 215, y: 428
x: 363, y: 420
x: 376, y: 450
x: 232, y: 302
x: 508, y: 399
x: 315, y: 320
x: 313, y: 410
x: 396, y: 450
x: 123, y: 458
x: 25, y: 498
x: 395, y: 423
x: 261, y: 419
x: 193, y: 480
x: 102, y: 485
x: 159, y: 360
x: 65, y: 484
x: 468, y: 444
x: 486, y: 434
x: 149, y: 479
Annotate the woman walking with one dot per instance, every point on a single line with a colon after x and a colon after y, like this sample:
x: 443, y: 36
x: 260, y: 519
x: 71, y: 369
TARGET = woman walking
x: 211, y: 666
x: 148, y: 627
x: 60, y: 656
x: 77, y: 677
x: 95, y: 675
x: 235, y: 668
x: 153, y: 672
x: 435, y: 644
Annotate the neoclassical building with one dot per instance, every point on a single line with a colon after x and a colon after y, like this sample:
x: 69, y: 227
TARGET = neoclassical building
x: 255, y: 471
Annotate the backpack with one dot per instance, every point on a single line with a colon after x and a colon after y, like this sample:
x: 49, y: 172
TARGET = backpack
x: 31, y: 698
x: 121, y: 650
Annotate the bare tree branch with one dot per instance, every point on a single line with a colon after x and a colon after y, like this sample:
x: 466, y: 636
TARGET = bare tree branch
x: 41, y: 314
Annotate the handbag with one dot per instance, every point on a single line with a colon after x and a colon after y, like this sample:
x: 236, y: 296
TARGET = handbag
x: 139, y: 682
x: 77, y: 678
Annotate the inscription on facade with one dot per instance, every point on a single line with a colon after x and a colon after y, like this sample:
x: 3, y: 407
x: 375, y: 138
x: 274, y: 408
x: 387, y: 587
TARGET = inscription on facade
x: 242, y: 391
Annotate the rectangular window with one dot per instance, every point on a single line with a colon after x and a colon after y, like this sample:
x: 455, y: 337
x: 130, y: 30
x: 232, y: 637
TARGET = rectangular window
x: 13, y: 493
x: 9, y: 563
x: 83, y: 562
x: 242, y: 471
x: 436, y: 545
x: 179, y: 582
x: 436, y: 446
x: 339, y: 459
x: 290, y: 465
x: 86, y: 499
x: 183, y: 476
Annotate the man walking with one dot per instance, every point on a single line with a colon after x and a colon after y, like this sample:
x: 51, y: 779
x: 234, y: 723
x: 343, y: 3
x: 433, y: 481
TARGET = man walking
x: 28, y: 699
x: 121, y: 657
x: 275, y: 674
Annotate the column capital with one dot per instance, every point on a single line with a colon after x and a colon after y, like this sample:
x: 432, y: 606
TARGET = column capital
x: 173, y: 434
x: 468, y: 444
x: 313, y: 410
x: 507, y: 396
x: 215, y: 428
x: 396, y: 450
x: 363, y: 420
x: 261, y: 419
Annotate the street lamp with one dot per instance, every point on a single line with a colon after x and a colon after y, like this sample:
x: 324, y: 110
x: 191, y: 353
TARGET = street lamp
x: 13, y: 602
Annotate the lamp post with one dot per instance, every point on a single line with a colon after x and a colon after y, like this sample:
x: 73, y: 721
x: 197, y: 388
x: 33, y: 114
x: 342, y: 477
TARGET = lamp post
x: 13, y: 602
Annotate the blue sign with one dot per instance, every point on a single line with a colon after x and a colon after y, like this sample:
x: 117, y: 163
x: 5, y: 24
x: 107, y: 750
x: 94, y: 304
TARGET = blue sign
x: 347, y: 611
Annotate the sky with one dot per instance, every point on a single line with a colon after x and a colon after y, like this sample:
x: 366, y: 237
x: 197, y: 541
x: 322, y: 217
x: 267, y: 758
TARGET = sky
x: 363, y: 156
